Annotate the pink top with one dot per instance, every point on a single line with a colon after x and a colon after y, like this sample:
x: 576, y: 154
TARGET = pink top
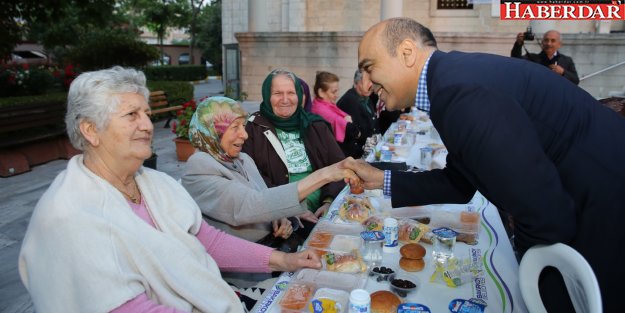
x: 232, y: 254
x: 333, y: 115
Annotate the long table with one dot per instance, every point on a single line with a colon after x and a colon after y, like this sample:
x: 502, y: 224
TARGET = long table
x: 496, y: 284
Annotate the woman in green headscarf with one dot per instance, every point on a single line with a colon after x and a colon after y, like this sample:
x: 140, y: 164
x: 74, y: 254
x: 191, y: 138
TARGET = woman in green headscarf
x: 288, y: 143
x: 226, y: 184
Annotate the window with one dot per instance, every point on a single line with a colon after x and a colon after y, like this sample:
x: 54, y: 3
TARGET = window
x: 453, y: 5
x: 183, y: 59
x: 455, y: 8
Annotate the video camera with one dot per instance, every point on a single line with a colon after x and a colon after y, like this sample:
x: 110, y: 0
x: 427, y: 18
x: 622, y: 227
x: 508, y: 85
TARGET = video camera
x: 528, y: 35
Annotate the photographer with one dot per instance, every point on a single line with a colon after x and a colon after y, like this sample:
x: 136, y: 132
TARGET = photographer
x: 550, y: 56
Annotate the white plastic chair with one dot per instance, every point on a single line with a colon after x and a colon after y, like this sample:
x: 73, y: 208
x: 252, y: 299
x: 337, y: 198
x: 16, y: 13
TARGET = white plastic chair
x: 579, y: 277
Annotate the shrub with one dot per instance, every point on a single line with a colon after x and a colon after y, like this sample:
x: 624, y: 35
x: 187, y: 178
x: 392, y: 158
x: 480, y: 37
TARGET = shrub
x: 39, y: 82
x: 57, y: 97
x: 106, y: 48
x: 177, y: 92
x: 22, y: 80
x: 176, y: 72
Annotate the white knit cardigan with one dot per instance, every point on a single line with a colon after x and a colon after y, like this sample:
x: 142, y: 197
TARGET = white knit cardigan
x: 85, y: 250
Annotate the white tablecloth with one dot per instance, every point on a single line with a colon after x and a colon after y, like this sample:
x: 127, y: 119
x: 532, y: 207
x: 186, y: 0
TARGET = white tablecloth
x: 497, y: 284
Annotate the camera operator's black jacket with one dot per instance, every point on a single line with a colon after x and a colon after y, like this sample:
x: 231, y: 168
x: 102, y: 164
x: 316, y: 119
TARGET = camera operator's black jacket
x: 566, y: 62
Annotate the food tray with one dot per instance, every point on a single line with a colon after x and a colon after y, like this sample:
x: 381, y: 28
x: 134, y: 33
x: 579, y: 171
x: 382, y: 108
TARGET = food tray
x: 334, y: 280
x: 345, y: 243
x: 339, y: 228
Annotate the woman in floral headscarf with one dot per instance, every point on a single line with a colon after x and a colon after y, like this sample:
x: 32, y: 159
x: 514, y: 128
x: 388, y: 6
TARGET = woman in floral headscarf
x: 288, y: 143
x: 226, y: 184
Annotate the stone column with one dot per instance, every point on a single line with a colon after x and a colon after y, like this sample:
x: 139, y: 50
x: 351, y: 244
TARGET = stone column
x: 257, y: 16
x: 603, y: 27
x: 391, y: 8
x: 284, y: 23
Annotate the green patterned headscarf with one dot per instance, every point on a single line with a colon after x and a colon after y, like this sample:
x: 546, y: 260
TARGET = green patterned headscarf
x: 300, y: 120
x: 209, y: 122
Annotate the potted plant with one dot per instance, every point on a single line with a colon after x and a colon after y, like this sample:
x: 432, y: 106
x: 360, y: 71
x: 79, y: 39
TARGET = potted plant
x: 184, y: 149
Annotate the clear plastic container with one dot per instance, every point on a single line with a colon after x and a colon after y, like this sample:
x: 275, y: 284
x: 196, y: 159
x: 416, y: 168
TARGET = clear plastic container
x: 355, y: 209
x: 346, y: 243
x: 338, y: 229
x: 344, y: 262
x: 411, y: 231
x: 381, y: 273
x: 375, y: 222
x: 404, y: 284
x: 373, y: 247
x: 297, y: 296
x: 465, y: 223
x: 334, y: 280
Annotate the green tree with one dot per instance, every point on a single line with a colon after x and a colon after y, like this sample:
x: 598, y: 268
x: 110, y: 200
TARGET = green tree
x: 196, y: 7
x: 107, y: 47
x: 50, y: 22
x: 159, y: 16
x: 209, y: 34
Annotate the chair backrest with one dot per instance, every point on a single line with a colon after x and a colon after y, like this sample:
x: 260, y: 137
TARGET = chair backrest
x: 579, y: 277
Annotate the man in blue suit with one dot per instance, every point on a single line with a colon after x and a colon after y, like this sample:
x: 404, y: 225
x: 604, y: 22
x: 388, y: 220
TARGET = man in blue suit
x: 537, y: 146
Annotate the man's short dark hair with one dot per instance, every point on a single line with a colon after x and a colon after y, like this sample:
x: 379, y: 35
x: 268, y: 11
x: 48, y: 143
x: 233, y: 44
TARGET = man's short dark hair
x: 400, y: 28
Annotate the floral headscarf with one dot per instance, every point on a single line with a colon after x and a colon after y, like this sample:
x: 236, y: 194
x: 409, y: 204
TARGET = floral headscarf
x: 210, y: 121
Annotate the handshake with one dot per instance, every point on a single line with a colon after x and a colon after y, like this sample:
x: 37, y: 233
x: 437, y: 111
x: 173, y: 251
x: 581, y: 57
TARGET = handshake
x: 368, y: 177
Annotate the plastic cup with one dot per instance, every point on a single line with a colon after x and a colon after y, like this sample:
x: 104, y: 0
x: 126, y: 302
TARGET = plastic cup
x: 443, y: 245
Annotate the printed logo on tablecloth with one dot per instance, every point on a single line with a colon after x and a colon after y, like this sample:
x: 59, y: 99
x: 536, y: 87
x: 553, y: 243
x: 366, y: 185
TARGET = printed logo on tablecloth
x: 479, y: 281
x: 276, y: 290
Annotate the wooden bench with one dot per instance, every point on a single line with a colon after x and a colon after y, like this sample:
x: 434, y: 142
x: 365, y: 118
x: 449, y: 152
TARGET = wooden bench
x: 32, y: 134
x: 161, y: 104
x: 26, y: 123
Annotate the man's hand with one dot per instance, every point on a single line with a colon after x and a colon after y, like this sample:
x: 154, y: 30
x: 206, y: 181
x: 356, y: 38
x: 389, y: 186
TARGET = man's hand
x: 519, y: 39
x: 371, y: 177
x: 280, y: 261
x: 557, y: 68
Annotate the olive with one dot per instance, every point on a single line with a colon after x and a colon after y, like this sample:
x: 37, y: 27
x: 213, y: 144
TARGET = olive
x: 403, y: 283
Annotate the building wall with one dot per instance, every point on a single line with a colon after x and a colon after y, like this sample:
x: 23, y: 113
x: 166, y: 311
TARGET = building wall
x: 174, y: 52
x: 311, y: 35
x: 359, y: 15
x: 305, y: 53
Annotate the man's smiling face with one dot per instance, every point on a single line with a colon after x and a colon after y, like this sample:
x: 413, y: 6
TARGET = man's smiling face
x: 389, y: 74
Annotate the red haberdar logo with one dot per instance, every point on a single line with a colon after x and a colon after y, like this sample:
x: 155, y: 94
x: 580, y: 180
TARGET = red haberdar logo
x: 563, y: 10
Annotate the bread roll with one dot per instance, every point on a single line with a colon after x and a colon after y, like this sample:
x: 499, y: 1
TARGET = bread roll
x: 411, y: 265
x: 383, y: 301
x: 413, y: 251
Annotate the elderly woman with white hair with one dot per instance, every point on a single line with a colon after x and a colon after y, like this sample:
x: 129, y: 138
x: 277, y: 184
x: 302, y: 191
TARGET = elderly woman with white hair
x: 111, y: 236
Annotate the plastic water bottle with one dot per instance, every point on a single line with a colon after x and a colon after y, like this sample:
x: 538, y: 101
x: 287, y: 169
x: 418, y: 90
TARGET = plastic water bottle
x: 391, y: 234
x: 385, y: 155
x: 359, y: 301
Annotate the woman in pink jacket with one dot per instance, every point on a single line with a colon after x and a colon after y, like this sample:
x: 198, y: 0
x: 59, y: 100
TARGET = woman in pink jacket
x: 345, y: 131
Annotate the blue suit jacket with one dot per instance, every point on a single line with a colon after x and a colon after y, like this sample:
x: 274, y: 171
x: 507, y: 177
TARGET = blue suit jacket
x: 536, y: 146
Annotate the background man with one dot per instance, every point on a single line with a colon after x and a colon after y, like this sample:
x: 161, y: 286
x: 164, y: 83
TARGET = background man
x: 550, y: 56
x: 553, y: 160
x: 356, y: 103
